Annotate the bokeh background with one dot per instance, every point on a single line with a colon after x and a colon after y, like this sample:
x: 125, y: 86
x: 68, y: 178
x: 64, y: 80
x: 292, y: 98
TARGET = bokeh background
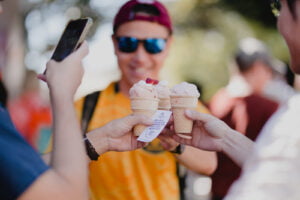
x: 206, y: 35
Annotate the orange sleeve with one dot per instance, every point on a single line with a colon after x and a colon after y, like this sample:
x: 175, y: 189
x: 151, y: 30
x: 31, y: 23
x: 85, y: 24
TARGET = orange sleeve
x: 202, y: 108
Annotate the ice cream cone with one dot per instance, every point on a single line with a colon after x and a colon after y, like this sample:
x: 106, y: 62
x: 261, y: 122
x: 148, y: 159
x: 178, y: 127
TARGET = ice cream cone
x: 143, y: 106
x: 183, y: 126
x: 164, y: 104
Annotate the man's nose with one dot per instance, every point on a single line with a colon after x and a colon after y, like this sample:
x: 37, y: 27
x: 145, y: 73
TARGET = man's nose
x: 141, y: 54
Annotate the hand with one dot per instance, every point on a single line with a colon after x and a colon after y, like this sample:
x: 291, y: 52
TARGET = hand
x: 207, y: 134
x: 168, y: 143
x: 63, y: 78
x: 120, y: 136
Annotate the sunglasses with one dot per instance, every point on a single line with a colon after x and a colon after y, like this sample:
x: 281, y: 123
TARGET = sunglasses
x: 151, y: 45
x: 275, y: 7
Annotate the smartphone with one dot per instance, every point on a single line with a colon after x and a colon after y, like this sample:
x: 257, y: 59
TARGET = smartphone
x: 73, y: 35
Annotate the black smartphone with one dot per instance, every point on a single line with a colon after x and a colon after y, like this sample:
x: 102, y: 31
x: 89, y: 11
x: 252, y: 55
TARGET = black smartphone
x: 73, y: 35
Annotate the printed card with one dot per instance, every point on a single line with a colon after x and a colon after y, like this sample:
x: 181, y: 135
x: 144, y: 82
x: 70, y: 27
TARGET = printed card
x: 160, y: 120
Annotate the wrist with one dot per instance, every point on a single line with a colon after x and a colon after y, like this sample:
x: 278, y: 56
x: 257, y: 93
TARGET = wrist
x: 61, y: 99
x: 98, y: 139
x: 179, y: 149
x: 228, y: 141
x: 90, y: 150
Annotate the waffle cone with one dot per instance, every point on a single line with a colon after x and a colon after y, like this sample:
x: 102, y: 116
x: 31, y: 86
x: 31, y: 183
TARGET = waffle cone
x: 143, y: 106
x: 144, y: 103
x: 164, y: 104
x: 183, y: 126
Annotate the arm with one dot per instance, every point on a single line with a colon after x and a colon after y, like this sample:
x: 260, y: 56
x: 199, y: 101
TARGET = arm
x: 116, y: 135
x: 211, y: 134
x: 68, y: 178
x: 206, y: 161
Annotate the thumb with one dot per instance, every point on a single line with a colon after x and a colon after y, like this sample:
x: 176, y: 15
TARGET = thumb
x: 42, y: 77
x: 194, y: 115
x: 81, y: 52
x: 139, y: 119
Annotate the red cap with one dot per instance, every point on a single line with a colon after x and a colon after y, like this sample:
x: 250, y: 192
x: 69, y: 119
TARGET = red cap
x: 127, y: 13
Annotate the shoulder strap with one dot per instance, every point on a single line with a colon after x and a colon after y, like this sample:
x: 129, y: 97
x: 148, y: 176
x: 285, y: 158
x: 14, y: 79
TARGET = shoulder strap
x: 88, y: 109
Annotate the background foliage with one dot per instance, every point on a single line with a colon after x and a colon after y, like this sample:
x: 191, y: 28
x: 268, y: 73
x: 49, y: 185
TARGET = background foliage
x: 206, y: 34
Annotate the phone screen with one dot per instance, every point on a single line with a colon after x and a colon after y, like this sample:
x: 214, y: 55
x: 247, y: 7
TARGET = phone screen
x: 70, y: 38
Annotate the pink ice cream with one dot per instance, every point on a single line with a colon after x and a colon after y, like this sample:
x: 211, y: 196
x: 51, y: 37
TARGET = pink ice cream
x: 143, y: 90
x: 185, y: 89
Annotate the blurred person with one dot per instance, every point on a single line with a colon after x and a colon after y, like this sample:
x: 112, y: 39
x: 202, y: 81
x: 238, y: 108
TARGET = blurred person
x: 264, y: 74
x: 142, y: 35
x: 31, y: 112
x: 271, y: 165
x: 241, y: 107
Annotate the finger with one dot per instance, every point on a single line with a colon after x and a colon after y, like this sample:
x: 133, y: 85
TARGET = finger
x: 42, y: 77
x: 194, y: 115
x: 81, y: 52
x: 141, y: 144
x: 166, y: 132
x: 138, y: 119
x: 181, y: 140
x: 49, y: 64
x: 165, y: 145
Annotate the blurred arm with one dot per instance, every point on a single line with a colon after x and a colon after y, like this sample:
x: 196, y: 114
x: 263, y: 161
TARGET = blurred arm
x: 199, y: 161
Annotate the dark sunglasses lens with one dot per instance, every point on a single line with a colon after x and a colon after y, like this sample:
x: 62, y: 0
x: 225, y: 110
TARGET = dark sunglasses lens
x: 275, y: 7
x: 127, y: 44
x: 155, y: 45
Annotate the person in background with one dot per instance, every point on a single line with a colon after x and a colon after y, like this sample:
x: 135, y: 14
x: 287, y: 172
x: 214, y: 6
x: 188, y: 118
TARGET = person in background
x: 142, y: 35
x: 264, y: 74
x: 31, y: 112
x: 242, y: 107
x: 271, y: 165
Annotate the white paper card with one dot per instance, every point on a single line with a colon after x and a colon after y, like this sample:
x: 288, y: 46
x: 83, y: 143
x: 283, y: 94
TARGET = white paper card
x: 160, y: 119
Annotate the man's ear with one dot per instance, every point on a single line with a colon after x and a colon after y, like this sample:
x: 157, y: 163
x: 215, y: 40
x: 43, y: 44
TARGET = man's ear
x: 169, y: 43
x: 170, y: 40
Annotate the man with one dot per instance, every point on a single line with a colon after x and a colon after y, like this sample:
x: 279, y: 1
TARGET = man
x: 271, y: 166
x: 142, y: 38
